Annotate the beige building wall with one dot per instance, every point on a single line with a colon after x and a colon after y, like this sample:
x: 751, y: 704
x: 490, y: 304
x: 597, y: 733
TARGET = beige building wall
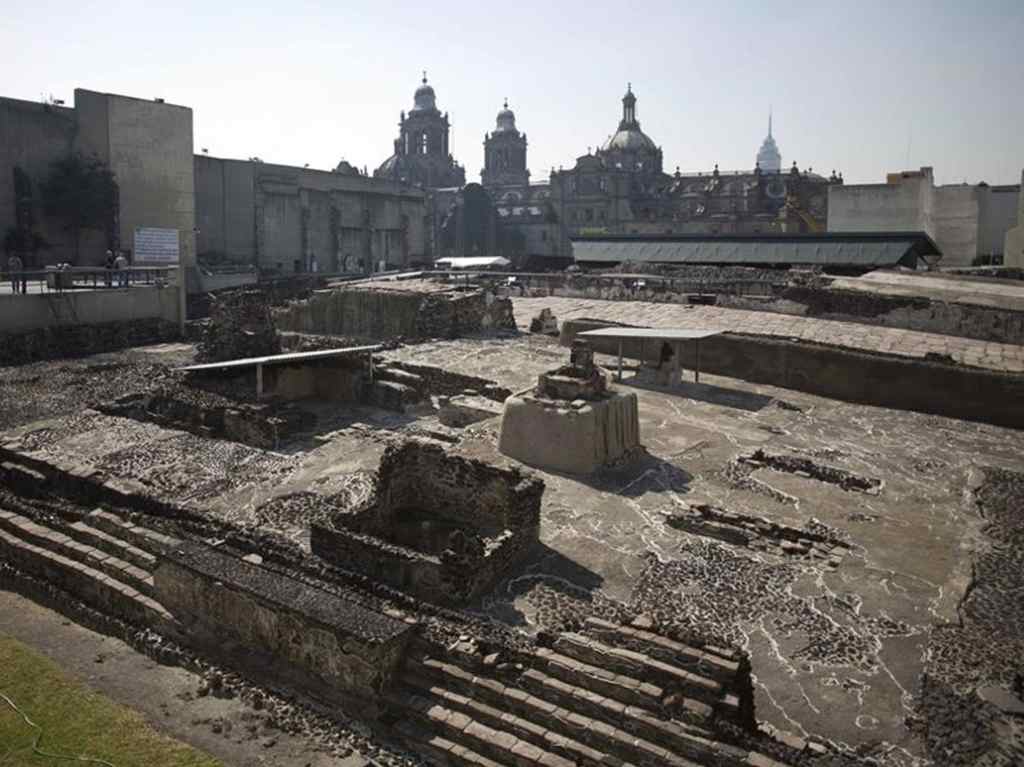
x: 965, y: 221
x: 277, y: 217
x: 1013, y: 249
x: 147, y: 144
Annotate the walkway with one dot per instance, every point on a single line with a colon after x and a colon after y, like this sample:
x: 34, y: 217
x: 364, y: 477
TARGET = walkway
x: 867, y: 338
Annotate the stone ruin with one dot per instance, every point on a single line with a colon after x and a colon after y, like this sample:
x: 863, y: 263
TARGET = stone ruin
x: 545, y: 323
x: 439, y: 526
x: 403, y: 309
x: 571, y: 422
x: 241, y: 325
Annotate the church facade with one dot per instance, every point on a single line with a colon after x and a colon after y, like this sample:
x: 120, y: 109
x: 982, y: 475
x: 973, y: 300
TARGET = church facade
x: 619, y: 188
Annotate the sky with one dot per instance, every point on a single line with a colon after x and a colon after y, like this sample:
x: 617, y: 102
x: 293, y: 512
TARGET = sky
x: 861, y: 87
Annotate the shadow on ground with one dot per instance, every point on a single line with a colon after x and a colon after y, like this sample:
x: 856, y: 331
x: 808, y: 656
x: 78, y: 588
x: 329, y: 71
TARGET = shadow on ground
x: 709, y: 393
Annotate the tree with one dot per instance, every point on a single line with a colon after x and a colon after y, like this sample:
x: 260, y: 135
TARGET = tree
x: 81, y: 191
x: 23, y: 241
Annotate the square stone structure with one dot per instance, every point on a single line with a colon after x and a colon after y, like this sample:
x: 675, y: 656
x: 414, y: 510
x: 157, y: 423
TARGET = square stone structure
x: 439, y: 526
x: 572, y: 422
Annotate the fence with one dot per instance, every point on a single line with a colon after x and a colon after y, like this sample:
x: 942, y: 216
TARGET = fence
x: 77, y: 278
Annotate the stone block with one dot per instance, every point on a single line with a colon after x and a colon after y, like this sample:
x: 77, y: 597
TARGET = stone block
x: 559, y: 438
x: 463, y: 410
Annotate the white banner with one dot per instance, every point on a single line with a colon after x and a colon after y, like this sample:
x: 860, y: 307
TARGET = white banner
x: 159, y: 246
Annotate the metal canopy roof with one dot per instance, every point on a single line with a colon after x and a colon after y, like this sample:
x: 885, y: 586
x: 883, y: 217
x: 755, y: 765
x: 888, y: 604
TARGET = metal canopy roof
x: 282, y: 359
x: 862, y: 250
x: 661, y: 334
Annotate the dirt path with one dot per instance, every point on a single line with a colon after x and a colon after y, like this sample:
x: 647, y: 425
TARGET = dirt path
x: 227, y: 729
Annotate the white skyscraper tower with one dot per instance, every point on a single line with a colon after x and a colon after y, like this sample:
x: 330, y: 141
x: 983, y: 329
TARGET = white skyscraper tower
x: 768, y: 158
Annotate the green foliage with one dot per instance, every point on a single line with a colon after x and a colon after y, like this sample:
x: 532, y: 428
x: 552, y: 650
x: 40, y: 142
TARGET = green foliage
x: 22, y: 241
x: 75, y: 721
x: 82, y: 192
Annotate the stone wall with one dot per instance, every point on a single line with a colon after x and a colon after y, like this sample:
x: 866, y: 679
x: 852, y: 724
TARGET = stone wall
x: 490, y: 517
x: 60, y: 341
x: 22, y: 313
x: 912, y: 313
x: 208, y: 414
x: 217, y: 597
x: 927, y: 386
x: 444, y: 382
x: 396, y: 310
x: 473, y: 493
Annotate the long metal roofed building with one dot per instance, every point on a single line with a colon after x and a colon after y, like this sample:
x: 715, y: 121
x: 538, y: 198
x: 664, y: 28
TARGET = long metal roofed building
x: 847, y: 251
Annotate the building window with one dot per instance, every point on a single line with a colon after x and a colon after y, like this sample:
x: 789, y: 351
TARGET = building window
x: 423, y: 144
x: 543, y: 236
x: 603, y: 184
x: 601, y: 215
x: 589, y: 214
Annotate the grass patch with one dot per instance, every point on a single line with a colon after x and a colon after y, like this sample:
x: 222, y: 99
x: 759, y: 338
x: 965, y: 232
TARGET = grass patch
x: 75, y: 720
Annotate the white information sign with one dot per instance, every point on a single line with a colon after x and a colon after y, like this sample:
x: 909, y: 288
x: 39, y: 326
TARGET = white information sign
x: 156, y: 246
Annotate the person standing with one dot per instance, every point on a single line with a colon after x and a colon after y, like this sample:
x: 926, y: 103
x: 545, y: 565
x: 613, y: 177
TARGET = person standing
x: 16, y: 271
x: 108, y: 264
x: 121, y: 264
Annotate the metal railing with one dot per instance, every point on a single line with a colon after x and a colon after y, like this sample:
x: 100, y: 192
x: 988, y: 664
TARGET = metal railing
x: 76, y: 278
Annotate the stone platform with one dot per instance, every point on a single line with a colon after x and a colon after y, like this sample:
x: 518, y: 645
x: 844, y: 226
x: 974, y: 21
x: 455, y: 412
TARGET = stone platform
x: 575, y: 437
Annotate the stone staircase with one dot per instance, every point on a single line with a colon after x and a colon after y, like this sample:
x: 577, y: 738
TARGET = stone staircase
x: 606, y: 695
x: 101, y: 559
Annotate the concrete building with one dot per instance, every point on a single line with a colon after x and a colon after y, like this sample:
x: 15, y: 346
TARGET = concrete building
x: 280, y: 218
x: 147, y: 144
x: 967, y: 222
x: 1013, y: 246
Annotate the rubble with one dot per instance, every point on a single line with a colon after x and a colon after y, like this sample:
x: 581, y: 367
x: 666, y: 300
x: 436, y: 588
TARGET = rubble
x: 241, y: 325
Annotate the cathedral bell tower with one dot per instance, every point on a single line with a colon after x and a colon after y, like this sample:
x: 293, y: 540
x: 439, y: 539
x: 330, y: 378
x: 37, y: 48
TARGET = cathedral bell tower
x: 505, y: 154
x: 421, y: 153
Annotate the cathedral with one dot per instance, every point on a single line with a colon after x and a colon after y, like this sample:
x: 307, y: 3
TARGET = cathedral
x: 620, y: 187
x: 421, y: 156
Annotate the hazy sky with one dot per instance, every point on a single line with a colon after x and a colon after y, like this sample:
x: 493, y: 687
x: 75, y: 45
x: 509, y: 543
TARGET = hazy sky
x: 864, y: 87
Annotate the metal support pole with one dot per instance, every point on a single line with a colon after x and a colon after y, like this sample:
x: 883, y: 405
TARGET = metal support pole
x: 620, y: 359
x: 696, y: 366
x: 259, y: 382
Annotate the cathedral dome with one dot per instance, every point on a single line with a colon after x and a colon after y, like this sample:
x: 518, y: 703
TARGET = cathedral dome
x: 506, y: 121
x: 424, y: 98
x: 630, y: 139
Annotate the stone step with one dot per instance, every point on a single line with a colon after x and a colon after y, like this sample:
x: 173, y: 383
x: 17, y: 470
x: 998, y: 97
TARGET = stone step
x: 66, y: 546
x: 497, y: 744
x: 569, y: 734
x: 148, y: 540
x: 439, y: 750
x: 93, y: 587
x: 636, y: 665
x: 567, y: 752
x: 93, y: 536
x: 696, y: 660
x: 552, y: 703
x: 625, y: 689
x: 411, y: 380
